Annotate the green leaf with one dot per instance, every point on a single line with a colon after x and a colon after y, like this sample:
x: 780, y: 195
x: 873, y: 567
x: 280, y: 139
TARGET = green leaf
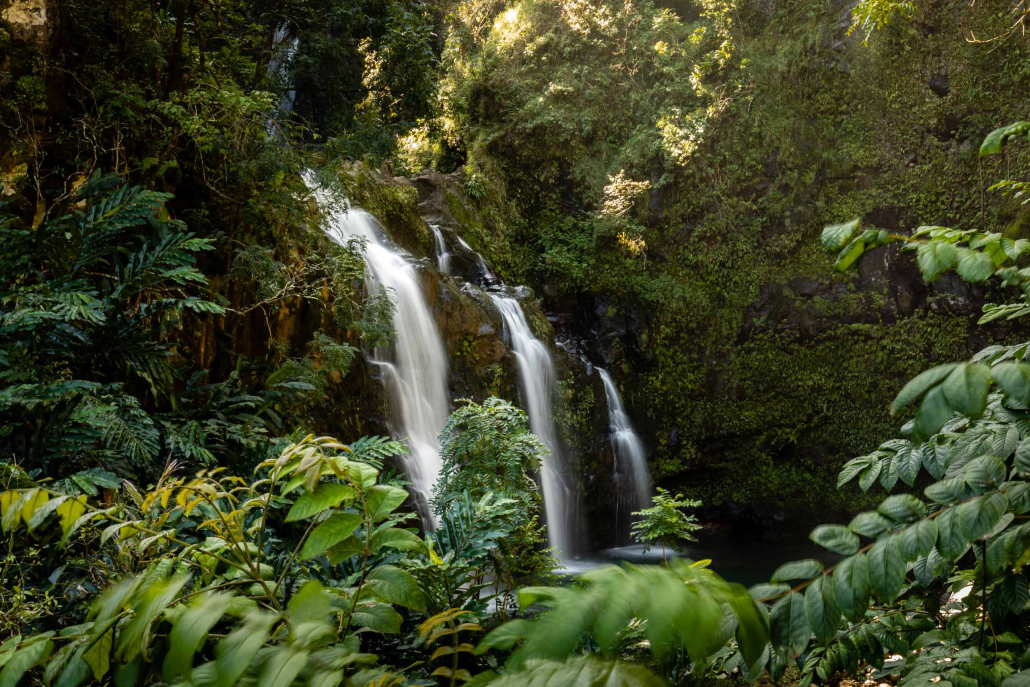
x: 979, y: 516
x: 907, y: 462
x: 797, y: 570
x: 996, y: 140
x: 329, y: 532
x: 789, y: 623
x: 948, y: 491
x: 150, y: 602
x: 32, y: 652
x: 396, y: 538
x: 920, y: 384
x: 97, y: 654
x: 984, y: 473
x: 951, y: 541
x: 393, y: 585
x: 933, y: 413
x: 836, y: 236
x: 282, y: 666
x: 326, y: 495
x: 236, y: 652
x: 869, y: 524
x: 868, y: 477
x: 8, y: 648
x: 836, y: 538
x: 767, y: 591
x: 886, y: 569
x: 966, y: 389
x: 581, y: 671
x: 974, y: 265
x: 851, y: 253
x: 1014, y: 380
x: 821, y: 608
x: 382, y: 500
x: 901, y: 508
x: 379, y: 617
x: 851, y: 586
x: 917, y: 539
x: 935, y: 258
x: 1012, y: 593
x: 505, y: 636
x: 190, y: 630
x: 1022, y: 460
x: 350, y: 546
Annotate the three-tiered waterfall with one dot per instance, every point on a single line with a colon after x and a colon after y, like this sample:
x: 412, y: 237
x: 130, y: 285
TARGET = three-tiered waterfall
x: 415, y: 367
x: 631, y: 473
x: 537, y: 379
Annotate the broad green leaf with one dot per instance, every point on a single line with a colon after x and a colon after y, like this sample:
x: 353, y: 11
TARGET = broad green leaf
x: 32, y: 652
x: 851, y: 253
x: 996, y: 140
x: 282, y: 666
x: 1022, y: 460
x: 329, y: 532
x: 951, y: 540
x: 752, y: 625
x: 396, y: 538
x: 326, y: 495
x: 886, y: 569
x: 350, y: 546
x: 901, y: 507
x: 236, y: 652
x: 97, y: 653
x: 379, y: 617
x: 1014, y: 380
x: 382, y: 500
x: 984, y: 473
x: 836, y: 538
x: 948, y: 491
x: 933, y: 413
x: 789, y: 623
x: 907, y: 462
x: 977, y: 517
x: 889, y: 472
x: 966, y: 389
x: 311, y: 603
x: 1012, y: 593
x: 396, y: 586
x: 768, y: 591
x: 868, y: 478
x: 190, y: 630
x: 150, y: 602
x: 582, y: 671
x: 8, y: 648
x: 920, y: 384
x: 935, y: 258
x: 974, y: 265
x: 851, y: 585
x: 821, y: 608
x: 869, y: 524
x: 917, y: 539
x: 505, y: 636
x: 851, y: 469
x: 797, y: 570
x: 836, y: 236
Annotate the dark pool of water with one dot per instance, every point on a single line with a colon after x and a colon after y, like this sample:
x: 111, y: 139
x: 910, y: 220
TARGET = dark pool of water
x: 737, y: 561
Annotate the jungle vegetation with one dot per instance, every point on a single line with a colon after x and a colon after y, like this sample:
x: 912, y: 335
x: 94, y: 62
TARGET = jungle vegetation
x: 174, y: 507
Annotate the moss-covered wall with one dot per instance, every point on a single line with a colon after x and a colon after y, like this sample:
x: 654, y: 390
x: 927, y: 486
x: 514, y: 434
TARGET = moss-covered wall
x: 752, y: 369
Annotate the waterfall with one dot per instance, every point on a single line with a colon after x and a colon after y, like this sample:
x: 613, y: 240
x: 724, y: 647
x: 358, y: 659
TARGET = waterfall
x: 485, y: 272
x: 443, y: 258
x: 537, y: 379
x: 630, y: 460
x: 415, y: 367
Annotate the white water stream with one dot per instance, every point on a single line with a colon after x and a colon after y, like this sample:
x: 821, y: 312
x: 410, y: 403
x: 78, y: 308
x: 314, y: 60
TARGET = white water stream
x: 443, y: 258
x: 537, y: 379
x: 631, y: 472
x: 415, y: 367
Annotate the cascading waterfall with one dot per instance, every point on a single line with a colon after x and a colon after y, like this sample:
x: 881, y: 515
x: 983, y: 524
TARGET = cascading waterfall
x: 537, y: 379
x: 443, y: 258
x: 631, y: 472
x: 415, y: 367
x: 486, y: 274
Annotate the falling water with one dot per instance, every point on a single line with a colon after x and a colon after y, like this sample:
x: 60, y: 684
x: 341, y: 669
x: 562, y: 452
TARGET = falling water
x: 630, y: 460
x: 443, y: 258
x: 485, y: 272
x: 537, y: 379
x: 416, y: 367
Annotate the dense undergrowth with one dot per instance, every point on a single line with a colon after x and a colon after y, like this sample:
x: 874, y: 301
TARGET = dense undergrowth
x: 178, y: 337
